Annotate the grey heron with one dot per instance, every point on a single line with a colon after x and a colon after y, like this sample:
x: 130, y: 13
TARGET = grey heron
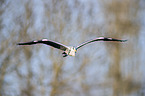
x: 71, y: 51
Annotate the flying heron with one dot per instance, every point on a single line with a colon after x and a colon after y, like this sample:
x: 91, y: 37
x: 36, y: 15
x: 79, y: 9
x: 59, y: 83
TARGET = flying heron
x: 66, y: 49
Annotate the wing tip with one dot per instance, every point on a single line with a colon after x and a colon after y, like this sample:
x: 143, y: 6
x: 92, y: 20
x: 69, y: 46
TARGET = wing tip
x: 124, y: 40
x: 18, y: 44
x: 21, y: 44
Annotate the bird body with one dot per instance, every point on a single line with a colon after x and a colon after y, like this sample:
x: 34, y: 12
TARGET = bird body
x: 71, y: 51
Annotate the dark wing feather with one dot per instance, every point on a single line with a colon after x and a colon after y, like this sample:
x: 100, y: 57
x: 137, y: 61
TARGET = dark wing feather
x: 100, y: 39
x: 48, y: 42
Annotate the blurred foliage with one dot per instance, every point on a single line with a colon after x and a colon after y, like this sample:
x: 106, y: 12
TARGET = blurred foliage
x: 112, y: 69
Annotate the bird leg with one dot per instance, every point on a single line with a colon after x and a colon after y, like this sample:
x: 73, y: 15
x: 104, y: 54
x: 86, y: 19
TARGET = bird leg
x: 64, y: 54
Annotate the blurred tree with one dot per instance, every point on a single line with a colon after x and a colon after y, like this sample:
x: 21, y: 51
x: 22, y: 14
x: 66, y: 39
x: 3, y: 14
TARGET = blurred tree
x: 122, y: 21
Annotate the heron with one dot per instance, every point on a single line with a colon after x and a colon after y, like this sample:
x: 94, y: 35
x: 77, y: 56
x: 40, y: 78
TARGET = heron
x: 68, y: 50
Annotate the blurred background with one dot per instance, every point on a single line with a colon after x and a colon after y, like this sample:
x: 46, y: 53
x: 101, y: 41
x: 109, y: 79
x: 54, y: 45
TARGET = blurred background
x: 98, y: 69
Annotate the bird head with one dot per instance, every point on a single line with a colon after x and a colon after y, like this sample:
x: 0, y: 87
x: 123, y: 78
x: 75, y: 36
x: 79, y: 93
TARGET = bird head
x: 74, y: 48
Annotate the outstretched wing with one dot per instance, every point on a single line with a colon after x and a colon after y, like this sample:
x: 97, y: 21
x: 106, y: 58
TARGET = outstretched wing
x: 48, y: 42
x: 99, y: 39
